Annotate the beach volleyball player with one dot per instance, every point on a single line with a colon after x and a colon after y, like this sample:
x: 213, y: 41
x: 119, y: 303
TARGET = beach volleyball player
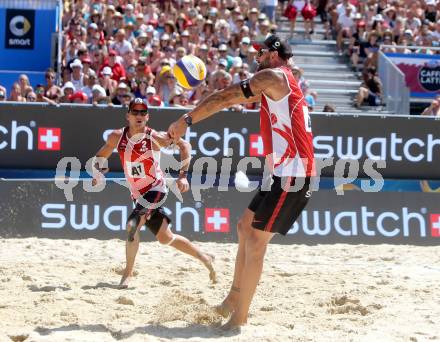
x: 287, y: 139
x: 138, y: 147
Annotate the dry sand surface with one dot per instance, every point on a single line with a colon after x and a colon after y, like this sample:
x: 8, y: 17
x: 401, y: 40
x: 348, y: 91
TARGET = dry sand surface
x: 62, y: 290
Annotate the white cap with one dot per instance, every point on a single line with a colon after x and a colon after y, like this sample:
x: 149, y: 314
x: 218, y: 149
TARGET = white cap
x: 246, y: 40
x: 99, y: 89
x: 408, y: 31
x: 150, y: 28
x: 151, y: 90
x: 122, y: 85
x: 68, y: 85
x: 93, y: 26
x: 129, y: 7
x: 223, y: 62
x: 223, y: 47
x: 238, y: 63
x: 430, y: 2
x: 76, y: 63
x: 107, y: 71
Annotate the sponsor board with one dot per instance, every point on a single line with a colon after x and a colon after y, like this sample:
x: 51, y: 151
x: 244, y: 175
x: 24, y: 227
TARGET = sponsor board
x: 422, y: 72
x: 40, y: 209
x: 20, y: 29
x: 409, y: 146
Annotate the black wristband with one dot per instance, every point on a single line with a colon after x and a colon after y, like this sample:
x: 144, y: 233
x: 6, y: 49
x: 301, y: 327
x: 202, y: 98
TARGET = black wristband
x: 245, y: 86
x: 188, y: 120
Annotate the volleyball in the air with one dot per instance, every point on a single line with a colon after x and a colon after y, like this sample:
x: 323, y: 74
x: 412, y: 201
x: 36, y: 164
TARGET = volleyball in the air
x: 190, y: 72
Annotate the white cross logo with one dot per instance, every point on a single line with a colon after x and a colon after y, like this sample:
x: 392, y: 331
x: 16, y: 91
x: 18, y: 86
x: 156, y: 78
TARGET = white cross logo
x: 217, y: 220
x: 258, y: 145
x: 436, y: 225
x: 49, y: 138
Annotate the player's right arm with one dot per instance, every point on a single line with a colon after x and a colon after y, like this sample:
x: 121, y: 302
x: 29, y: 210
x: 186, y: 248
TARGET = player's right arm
x: 104, y: 153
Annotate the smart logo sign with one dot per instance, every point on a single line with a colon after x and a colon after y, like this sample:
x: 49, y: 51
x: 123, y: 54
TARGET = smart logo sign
x: 20, y: 29
x: 19, y: 137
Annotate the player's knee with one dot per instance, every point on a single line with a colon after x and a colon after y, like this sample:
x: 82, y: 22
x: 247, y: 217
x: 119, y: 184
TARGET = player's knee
x: 166, y: 239
x: 255, y: 247
x: 243, y: 228
x: 132, y: 225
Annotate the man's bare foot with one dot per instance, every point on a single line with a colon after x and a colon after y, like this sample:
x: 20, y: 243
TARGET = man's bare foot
x: 124, y: 282
x: 224, y: 309
x: 232, y: 326
x: 208, y: 260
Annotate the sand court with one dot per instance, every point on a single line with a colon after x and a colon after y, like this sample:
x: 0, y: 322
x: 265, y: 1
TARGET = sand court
x: 66, y: 290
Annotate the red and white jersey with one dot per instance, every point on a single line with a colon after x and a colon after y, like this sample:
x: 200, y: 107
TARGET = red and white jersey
x: 287, y: 132
x: 141, y: 163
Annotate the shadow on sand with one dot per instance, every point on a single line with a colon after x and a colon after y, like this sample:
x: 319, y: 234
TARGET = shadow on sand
x: 104, y: 285
x: 192, y: 330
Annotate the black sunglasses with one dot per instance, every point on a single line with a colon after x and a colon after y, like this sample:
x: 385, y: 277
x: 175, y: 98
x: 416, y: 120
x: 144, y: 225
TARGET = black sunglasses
x: 261, y: 51
x: 139, y: 111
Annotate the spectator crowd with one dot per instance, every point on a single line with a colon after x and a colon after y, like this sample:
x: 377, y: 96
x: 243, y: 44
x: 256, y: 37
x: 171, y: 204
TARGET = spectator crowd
x: 114, y: 50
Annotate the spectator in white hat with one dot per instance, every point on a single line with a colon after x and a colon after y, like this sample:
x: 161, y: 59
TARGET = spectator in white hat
x: 77, y: 76
x: 243, y: 49
x: 121, y: 91
x: 98, y: 95
x: 431, y: 12
x: 68, y: 90
x: 129, y: 14
x: 106, y: 81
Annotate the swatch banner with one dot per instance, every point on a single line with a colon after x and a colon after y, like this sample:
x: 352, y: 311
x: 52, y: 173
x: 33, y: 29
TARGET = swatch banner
x: 40, y: 137
x: 40, y: 209
x: 422, y: 73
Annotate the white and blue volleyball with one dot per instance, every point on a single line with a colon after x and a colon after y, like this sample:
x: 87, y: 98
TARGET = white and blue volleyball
x: 190, y: 72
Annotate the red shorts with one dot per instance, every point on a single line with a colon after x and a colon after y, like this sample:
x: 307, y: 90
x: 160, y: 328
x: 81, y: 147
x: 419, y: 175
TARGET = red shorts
x: 290, y: 12
x: 308, y: 12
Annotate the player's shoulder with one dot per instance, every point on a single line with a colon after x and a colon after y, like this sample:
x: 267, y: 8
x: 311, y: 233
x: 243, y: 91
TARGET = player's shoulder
x: 269, y: 75
x: 115, y: 135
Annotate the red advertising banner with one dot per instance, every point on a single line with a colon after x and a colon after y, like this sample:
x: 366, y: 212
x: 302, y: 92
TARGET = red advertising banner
x: 422, y: 73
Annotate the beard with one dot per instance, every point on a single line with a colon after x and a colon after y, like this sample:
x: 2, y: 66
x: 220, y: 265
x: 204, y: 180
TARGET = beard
x: 263, y: 65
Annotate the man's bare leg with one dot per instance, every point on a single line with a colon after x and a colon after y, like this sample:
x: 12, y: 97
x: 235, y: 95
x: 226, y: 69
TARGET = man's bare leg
x: 166, y: 237
x: 256, y: 246
x: 244, y: 230
x: 131, y: 249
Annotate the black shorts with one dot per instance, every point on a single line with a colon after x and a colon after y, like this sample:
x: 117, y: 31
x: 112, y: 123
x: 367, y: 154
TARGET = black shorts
x: 277, y: 210
x: 154, y: 216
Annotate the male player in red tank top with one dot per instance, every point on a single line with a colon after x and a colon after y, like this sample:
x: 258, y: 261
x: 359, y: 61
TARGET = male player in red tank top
x: 287, y: 137
x: 139, y: 150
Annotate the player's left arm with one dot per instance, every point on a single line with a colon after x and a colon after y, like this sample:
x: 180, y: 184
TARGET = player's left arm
x: 162, y: 139
x: 267, y: 81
